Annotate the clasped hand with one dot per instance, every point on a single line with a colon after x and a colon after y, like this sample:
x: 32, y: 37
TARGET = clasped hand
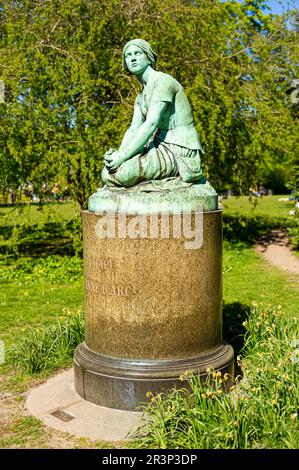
x: 113, y: 159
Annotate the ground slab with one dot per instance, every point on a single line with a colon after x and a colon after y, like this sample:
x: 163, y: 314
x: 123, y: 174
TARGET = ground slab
x: 57, y: 404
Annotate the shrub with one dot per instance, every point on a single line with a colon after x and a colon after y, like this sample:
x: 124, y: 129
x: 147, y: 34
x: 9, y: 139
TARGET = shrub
x: 259, y: 412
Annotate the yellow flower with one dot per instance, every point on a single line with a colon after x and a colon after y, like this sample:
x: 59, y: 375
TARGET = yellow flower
x: 208, y: 370
x: 225, y: 377
x: 209, y: 394
x: 219, y: 392
x: 278, y: 383
x: 219, y: 374
x: 149, y: 394
x: 214, y: 375
x: 273, y: 402
x: 244, y: 323
x: 203, y: 395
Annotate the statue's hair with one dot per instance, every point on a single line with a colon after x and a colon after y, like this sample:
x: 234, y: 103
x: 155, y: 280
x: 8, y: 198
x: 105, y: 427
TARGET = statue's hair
x: 145, y: 47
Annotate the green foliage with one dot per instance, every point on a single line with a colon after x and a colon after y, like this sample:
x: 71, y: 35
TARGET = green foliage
x: 51, y: 346
x: 259, y: 412
x: 68, y: 98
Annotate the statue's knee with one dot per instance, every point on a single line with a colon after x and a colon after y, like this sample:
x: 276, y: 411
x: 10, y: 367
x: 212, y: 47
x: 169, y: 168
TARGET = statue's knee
x: 123, y: 177
x: 115, y: 179
x: 188, y: 178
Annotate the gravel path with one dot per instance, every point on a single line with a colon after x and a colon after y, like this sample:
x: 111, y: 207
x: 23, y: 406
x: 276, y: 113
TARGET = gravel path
x: 275, y: 248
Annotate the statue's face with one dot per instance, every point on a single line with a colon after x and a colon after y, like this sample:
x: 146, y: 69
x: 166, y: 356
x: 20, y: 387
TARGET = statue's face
x: 136, y: 60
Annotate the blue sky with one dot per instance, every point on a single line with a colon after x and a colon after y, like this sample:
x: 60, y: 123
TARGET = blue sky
x: 280, y: 6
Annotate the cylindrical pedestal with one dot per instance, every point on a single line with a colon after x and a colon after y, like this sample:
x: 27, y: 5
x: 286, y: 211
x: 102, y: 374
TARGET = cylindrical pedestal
x: 153, y: 305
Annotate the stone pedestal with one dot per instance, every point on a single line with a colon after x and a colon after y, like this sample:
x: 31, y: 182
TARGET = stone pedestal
x: 153, y: 306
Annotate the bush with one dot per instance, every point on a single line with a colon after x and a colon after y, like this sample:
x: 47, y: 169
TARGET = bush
x: 259, y: 412
x: 51, y: 346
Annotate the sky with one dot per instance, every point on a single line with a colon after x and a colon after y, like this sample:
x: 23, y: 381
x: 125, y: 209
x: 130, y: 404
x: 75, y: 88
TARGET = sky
x: 280, y: 6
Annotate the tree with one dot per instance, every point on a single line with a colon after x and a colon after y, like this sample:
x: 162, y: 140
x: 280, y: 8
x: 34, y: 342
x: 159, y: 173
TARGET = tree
x: 69, y: 98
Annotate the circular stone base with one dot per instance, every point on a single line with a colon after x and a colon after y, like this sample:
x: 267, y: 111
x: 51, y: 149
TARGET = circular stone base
x: 122, y: 383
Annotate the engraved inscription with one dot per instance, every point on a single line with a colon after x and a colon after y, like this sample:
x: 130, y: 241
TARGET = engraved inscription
x: 119, y: 290
x: 102, y: 264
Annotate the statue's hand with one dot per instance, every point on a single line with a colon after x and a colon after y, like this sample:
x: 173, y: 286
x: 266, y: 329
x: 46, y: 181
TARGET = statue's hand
x: 109, y: 152
x: 113, y: 161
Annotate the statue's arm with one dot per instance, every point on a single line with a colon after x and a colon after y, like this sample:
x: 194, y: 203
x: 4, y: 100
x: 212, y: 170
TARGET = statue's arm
x: 139, y: 138
x: 142, y: 134
x: 137, y: 121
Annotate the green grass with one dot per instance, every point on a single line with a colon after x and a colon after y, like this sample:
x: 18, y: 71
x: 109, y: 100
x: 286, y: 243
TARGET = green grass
x: 40, y: 277
x: 51, y: 346
x: 25, y: 302
x: 248, y: 278
x: 22, y: 432
x: 34, y: 304
x: 34, y: 213
x: 246, y: 220
x: 267, y: 207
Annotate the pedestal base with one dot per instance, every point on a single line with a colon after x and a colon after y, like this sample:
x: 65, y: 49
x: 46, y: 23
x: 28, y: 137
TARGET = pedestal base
x: 123, y: 383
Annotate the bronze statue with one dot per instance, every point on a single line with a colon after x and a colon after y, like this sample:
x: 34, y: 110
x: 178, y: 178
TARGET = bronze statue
x: 161, y: 141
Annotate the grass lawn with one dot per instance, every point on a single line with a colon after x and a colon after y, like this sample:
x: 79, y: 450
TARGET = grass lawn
x: 26, y: 302
x: 34, y: 304
x: 267, y: 206
x: 248, y: 278
x: 34, y: 213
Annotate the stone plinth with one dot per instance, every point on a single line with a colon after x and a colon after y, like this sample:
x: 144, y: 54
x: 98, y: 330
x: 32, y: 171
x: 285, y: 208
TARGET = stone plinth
x: 153, y: 305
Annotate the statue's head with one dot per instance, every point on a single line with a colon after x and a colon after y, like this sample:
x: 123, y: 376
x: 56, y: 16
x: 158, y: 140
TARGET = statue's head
x: 144, y: 47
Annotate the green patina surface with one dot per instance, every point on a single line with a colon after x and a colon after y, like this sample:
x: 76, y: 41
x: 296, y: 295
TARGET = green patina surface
x: 169, y: 195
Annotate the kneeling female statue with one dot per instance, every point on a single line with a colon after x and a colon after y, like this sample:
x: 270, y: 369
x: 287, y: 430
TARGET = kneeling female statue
x: 161, y: 141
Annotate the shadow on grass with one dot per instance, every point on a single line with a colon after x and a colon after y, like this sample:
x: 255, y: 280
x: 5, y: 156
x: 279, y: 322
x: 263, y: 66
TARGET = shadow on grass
x: 34, y: 241
x: 234, y: 315
x: 249, y: 229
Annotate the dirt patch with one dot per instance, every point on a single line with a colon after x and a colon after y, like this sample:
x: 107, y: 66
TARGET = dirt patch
x: 275, y: 248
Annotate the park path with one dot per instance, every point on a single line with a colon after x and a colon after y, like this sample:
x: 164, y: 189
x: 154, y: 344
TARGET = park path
x: 275, y: 248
